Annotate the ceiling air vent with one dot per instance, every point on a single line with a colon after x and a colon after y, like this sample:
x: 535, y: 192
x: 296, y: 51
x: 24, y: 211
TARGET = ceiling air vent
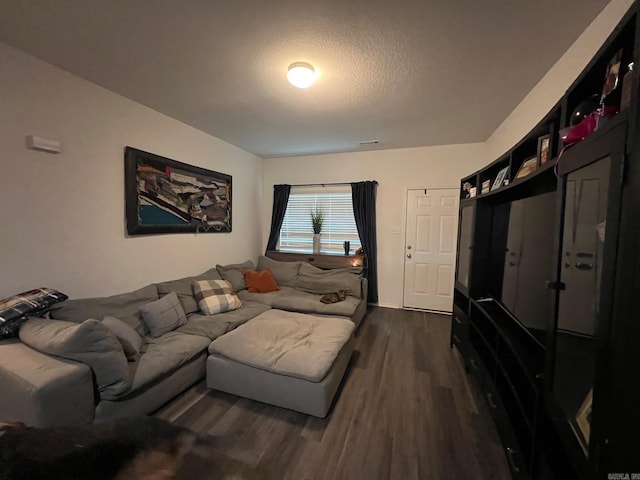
x: 368, y: 143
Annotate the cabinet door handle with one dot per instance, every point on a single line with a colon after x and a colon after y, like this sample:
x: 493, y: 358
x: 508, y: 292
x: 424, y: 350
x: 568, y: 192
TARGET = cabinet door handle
x: 456, y: 338
x: 512, y: 461
x: 492, y: 402
x: 457, y: 320
x: 584, y: 266
x: 474, y: 364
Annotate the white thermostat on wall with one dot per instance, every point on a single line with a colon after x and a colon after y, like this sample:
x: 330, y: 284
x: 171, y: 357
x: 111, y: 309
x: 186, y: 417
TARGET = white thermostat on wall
x: 43, y: 144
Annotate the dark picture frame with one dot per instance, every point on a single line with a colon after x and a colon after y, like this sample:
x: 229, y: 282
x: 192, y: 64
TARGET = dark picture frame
x: 500, y: 178
x: 544, y: 149
x: 528, y: 166
x: 612, y: 75
x: 166, y: 196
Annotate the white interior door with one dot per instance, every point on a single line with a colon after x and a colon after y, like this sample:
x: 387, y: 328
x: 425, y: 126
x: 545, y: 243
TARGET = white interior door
x: 430, y: 248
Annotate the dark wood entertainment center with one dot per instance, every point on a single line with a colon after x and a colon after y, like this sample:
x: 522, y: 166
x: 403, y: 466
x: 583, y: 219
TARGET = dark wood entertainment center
x: 547, y: 292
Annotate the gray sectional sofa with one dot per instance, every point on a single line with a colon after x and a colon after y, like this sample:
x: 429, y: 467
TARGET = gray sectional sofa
x: 45, y: 390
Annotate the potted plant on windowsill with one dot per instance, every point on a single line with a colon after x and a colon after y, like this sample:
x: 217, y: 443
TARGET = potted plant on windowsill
x: 317, y: 219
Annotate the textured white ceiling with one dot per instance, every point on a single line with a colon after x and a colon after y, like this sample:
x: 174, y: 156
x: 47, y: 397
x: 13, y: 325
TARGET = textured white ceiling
x: 406, y: 72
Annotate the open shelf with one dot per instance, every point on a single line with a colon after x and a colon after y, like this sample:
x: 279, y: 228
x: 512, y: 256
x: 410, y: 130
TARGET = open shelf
x: 510, y: 289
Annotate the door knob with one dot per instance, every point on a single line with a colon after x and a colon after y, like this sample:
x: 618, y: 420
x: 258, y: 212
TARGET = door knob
x: 408, y: 255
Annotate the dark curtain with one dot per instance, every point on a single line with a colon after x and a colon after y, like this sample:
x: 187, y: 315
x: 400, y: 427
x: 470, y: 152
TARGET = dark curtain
x: 280, y: 200
x: 363, y: 195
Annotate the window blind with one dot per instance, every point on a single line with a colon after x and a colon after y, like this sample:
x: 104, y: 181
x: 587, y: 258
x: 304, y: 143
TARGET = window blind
x: 296, y: 234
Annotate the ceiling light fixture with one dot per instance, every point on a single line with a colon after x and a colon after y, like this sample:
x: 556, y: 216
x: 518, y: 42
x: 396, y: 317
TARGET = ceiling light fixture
x: 301, y: 74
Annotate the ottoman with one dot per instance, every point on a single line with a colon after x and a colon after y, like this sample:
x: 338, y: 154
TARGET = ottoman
x: 288, y: 359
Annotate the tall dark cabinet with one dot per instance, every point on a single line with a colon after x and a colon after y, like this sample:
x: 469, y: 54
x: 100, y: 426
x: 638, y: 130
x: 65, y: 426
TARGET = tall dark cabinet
x: 547, y: 289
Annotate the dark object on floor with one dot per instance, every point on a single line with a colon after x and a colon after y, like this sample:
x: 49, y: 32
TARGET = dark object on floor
x: 335, y: 297
x: 143, y: 448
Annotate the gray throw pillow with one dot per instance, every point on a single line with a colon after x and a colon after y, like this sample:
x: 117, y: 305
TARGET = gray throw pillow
x: 182, y: 287
x: 232, y: 273
x: 163, y: 315
x: 89, y: 342
x: 315, y: 280
x: 285, y: 273
x: 127, y: 336
x: 125, y: 306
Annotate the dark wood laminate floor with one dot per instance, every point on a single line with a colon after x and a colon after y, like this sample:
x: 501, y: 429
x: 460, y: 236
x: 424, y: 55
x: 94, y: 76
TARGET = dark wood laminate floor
x: 406, y: 410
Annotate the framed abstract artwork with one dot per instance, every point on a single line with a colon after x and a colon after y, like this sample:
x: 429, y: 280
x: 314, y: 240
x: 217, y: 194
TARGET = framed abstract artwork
x: 167, y: 196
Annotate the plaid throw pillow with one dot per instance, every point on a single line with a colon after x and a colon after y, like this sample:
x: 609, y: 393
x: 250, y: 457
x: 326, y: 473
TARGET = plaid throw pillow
x: 215, y: 296
x: 14, y: 310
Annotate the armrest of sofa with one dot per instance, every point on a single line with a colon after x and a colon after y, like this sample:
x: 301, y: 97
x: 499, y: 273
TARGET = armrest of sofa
x: 41, y: 390
x: 364, y: 286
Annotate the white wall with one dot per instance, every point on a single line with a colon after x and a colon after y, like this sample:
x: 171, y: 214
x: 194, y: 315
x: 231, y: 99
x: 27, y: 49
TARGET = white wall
x: 62, y: 221
x: 395, y: 170
x: 556, y: 81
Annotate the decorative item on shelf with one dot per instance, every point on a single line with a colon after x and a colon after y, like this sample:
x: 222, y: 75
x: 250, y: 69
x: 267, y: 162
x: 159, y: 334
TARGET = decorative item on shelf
x: 609, y: 104
x: 347, y: 247
x: 317, y: 219
x: 486, y: 185
x: 498, y: 182
x: 627, y: 84
x: 466, y: 188
x: 360, y: 258
x: 528, y: 166
x: 544, y: 149
x: 583, y: 419
x: 584, y: 120
x: 612, y: 76
x: 473, y: 191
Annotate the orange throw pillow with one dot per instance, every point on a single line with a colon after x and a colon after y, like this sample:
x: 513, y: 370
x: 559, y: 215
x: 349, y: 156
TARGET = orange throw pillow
x: 260, y: 282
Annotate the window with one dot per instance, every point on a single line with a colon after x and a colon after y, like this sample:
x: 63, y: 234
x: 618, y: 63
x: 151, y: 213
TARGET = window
x: 296, y: 234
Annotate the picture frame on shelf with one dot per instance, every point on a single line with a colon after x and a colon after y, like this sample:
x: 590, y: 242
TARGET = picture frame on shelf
x: 612, y: 76
x: 528, y: 166
x: 500, y: 178
x: 466, y: 189
x: 486, y: 186
x: 544, y: 149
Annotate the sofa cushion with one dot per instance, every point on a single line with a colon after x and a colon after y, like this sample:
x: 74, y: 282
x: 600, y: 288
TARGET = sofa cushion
x: 125, y: 306
x: 212, y: 326
x: 163, y: 315
x: 42, y: 390
x: 182, y: 287
x: 162, y: 356
x: 293, y: 300
x: 285, y: 273
x: 232, y: 273
x: 260, y: 282
x: 287, y: 343
x: 127, y: 336
x: 89, y: 342
x: 315, y: 280
x: 215, y: 296
x: 14, y: 310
